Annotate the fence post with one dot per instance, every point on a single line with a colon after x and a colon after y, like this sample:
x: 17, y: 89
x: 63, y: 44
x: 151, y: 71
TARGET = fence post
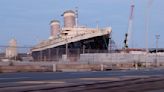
x: 102, y: 67
x: 54, y: 67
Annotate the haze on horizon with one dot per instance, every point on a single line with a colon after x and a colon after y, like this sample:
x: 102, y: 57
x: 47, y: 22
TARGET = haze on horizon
x: 28, y: 20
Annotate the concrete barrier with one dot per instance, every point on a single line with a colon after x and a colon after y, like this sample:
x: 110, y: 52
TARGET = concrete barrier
x: 78, y: 67
x: 24, y: 68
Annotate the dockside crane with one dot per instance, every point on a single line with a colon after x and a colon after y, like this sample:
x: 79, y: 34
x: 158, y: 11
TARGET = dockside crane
x: 128, y: 34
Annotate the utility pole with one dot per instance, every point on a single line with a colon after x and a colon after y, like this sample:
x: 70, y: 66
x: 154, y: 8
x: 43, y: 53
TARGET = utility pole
x: 66, y: 50
x: 76, y: 12
x: 76, y: 18
x: 157, y: 38
x: 66, y: 47
x: 147, y: 15
x: 97, y: 24
x: 110, y: 43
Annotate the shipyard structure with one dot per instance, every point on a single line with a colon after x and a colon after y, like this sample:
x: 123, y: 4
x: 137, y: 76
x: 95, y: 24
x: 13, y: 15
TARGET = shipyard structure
x: 71, y: 40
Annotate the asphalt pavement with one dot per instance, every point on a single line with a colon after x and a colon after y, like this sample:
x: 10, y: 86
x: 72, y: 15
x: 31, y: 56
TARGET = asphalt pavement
x: 145, y: 80
x: 37, y: 76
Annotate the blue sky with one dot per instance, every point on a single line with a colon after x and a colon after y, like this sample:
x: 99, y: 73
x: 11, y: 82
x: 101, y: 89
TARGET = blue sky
x: 28, y: 20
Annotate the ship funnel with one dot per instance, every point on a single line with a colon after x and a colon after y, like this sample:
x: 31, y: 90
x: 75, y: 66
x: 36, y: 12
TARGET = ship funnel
x: 55, y: 28
x: 69, y: 18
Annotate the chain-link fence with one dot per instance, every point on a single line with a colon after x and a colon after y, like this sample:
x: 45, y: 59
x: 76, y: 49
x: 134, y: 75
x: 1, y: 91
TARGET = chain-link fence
x: 143, y: 60
x: 88, y: 56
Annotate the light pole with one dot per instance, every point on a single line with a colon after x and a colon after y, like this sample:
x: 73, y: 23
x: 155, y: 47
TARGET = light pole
x: 157, y: 38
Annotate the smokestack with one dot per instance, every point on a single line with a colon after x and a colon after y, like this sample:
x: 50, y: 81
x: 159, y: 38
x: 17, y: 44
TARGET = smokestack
x: 55, y: 28
x: 69, y: 18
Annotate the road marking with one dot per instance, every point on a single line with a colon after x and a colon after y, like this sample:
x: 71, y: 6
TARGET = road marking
x: 101, y: 79
x: 41, y: 82
x: 81, y: 73
x: 14, y: 78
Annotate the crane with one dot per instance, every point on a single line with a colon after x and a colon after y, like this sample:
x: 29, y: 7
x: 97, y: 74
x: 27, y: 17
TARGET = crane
x: 128, y: 35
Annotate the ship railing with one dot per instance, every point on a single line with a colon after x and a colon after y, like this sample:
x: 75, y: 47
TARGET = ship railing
x: 90, y: 31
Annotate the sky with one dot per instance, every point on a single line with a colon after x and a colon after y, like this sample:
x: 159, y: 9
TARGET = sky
x: 28, y: 20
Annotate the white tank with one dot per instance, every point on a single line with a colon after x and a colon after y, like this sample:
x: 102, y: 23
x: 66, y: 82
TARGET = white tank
x: 11, y: 51
x: 55, y: 28
x: 69, y: 19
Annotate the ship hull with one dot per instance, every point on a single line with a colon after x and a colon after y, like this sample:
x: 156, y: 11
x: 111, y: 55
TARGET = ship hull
x: 73, y: 49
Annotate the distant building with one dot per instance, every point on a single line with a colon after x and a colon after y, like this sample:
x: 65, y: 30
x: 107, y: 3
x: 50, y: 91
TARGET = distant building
x: 2, y: 55
x: 11, y: 51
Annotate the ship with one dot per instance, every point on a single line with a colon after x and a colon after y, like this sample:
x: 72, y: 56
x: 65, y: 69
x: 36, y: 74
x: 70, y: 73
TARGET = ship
x: 71, y: 40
